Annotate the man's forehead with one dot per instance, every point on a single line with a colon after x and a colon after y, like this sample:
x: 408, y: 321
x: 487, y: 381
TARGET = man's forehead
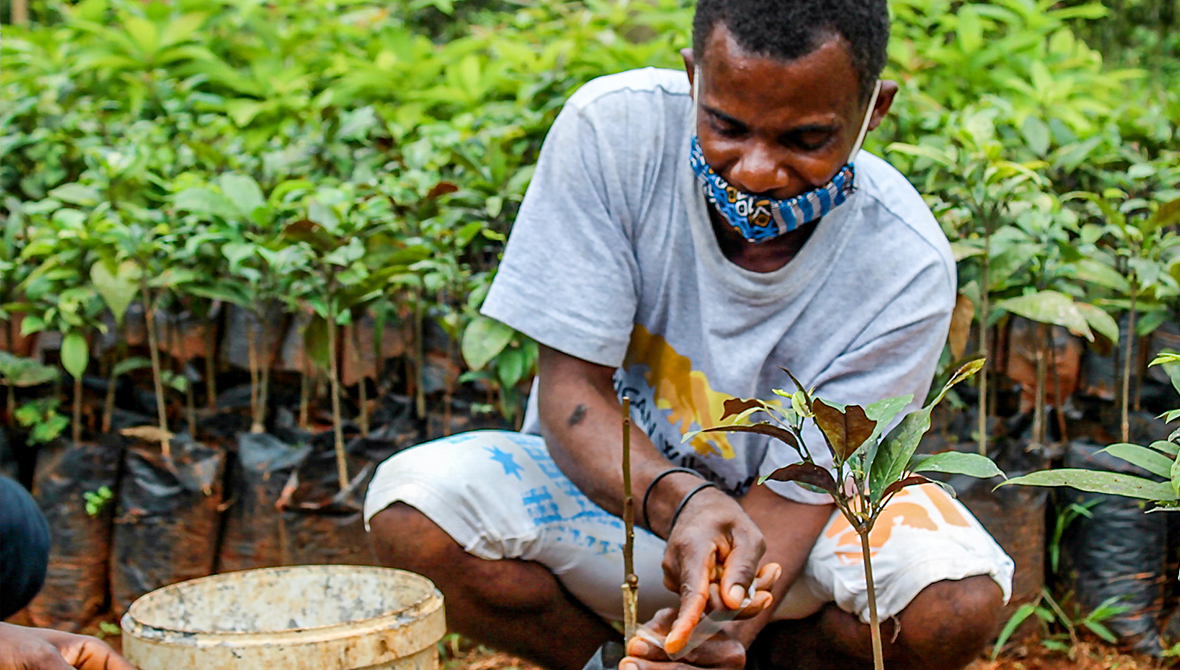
x: 824, y: 78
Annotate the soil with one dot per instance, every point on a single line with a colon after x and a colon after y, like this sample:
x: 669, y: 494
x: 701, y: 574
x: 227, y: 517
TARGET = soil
x: 460, y: 654
x: 1087, y: 657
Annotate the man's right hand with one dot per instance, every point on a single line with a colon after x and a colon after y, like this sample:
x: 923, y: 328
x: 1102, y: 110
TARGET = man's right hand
x: 713, y: 535
x: 24, y: 648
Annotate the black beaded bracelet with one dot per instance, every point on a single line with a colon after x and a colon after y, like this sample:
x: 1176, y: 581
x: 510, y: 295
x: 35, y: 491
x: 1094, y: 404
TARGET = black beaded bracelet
x: 652, y: 485
x: 684, y: 501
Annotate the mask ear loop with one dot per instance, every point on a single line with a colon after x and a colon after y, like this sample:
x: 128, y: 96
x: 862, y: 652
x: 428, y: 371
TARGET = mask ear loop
x: 696, y: 97
x: 864, y: 126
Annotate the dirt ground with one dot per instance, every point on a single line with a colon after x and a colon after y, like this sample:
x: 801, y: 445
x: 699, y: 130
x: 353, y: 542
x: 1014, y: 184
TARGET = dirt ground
x: 1087, y: 656
x: 458, y: 654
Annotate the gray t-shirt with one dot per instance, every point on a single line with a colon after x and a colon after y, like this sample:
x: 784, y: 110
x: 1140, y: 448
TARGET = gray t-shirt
x: 612, y: 259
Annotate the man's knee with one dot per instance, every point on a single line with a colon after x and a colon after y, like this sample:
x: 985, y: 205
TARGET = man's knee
x: 950, y: 622
x: 405, y: 538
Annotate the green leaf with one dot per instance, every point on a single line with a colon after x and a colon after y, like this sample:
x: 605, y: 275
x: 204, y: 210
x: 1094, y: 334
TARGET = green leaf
x: 117, y: 286
x: 1049, y: 307
x: 76, y: 194
x: 1096, y: 481
x: 243, y: 192
x: 483, y: 339
x: 1097, y: 272
x: 1099, y: 321
x: 1017, y: 618
x: 1167, y: 215
x: 24, y: 372
x: 955, y: 463
x: 201, y: 200
x: 1166, y: 447
x: 896, y: 450
x: 130, y: 365
x: 1148, y: 459
x: 75, y: 354
x: 1036, y: 134
x: 970, y: 29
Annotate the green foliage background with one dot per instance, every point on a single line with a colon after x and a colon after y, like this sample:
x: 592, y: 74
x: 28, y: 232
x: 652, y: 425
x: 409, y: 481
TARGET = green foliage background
x: 360, y: 157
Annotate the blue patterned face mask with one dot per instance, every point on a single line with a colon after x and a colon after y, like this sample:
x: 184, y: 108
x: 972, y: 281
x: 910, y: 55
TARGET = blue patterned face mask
x: 759, y: 218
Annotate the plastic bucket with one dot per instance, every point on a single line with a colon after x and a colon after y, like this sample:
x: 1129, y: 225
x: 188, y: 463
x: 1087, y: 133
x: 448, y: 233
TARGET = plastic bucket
x: 321, y: 617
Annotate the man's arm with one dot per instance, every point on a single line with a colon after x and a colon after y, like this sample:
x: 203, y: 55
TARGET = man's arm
x: 580, y: 420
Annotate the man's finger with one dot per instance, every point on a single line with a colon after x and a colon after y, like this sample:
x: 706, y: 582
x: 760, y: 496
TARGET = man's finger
x: 692, y: 608
x: 767, y: 576
x: 87, y: 653
x: 740, y: 568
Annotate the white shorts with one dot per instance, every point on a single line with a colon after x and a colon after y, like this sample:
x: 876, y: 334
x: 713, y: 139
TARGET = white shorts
x: 500, y: 495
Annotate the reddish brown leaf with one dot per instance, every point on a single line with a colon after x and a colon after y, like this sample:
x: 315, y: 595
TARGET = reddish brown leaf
x: 961, y: 318
x: 735, y: 406
x: 442, y: 188
x: 761, y: 428
x: 808, y: 473
x: 845, y: 430
x: 912, y: 480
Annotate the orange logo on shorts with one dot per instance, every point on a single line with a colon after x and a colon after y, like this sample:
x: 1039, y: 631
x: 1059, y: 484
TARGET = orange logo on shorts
x: 899, y: 512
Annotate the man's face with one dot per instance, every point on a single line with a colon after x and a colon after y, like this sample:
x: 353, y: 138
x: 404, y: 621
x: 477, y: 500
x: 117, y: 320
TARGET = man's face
x: 779, y: 128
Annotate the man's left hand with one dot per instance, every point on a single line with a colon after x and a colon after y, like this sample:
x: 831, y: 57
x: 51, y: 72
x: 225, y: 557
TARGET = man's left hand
x: 721, y: 651
x: 24, y: 648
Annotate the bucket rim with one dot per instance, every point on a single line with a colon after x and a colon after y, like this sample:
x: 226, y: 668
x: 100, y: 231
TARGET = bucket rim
x: 406, y: 615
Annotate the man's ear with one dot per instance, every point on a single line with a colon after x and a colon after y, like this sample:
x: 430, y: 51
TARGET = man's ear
x: 884, y: 102
x: 689, y: 64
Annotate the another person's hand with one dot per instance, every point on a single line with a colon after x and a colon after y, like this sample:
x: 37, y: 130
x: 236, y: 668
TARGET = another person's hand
x: 712, y: 536
x: 24, y: 648
x: 721, y: 651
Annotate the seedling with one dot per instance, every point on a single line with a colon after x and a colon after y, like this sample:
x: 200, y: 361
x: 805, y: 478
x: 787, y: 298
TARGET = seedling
x: 1158, y: 458
x: 97, y: 500
x: 869, y: 470
x: 43, y: 420
x: 630, y: 579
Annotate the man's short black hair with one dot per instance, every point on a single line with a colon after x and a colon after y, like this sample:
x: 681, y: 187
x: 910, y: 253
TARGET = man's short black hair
x: 790, y: 29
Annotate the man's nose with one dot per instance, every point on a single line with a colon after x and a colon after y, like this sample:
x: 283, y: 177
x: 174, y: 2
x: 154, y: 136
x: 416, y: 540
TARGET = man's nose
x: 759, y: 171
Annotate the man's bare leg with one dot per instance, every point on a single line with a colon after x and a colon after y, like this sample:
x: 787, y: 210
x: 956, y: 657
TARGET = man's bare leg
x: 515, y: 606
x: 945, y: 627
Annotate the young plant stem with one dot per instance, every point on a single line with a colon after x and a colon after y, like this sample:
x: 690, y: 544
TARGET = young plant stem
x: 419, y: 356
x: 252, y: 351
x: 190, y: 401
x: 362, y: 391
x: 874, y: 622
x: 1126, y: 424
x: 108, y: 405
x: 630, y: 579
x: 1058, y: 401
x: 264, y: 383
x: 77, y: 418
x: 149, y: 315
x: 10, y: 402
x: 211, y: 363
x: 983, y: 309
x: 305, y: 392
x: 337, y: 422
x: 1042, y: 374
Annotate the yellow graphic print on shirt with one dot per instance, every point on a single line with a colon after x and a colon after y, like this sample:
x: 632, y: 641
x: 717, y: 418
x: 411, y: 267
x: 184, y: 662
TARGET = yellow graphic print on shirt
x: 683, y: 392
